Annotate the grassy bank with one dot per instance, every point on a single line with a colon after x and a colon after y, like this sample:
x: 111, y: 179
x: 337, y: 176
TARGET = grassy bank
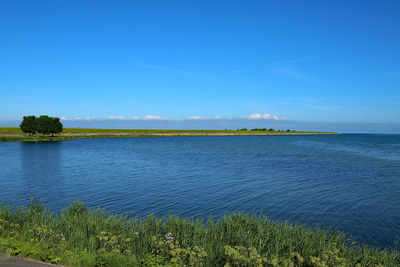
x: 36, y: 138
x: 96, y: 130
x: 16, y: 130
x: 15, y: 133
x: 40, y: 138
x: 83, y: 237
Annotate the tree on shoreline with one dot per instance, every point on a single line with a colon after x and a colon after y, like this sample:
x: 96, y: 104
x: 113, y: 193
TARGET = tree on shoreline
x: 29, y: 125
x: 56, y: 126
x: 43, y: 125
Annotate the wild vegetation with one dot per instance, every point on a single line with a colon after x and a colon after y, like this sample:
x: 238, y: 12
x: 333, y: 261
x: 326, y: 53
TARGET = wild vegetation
x: 79, y: 236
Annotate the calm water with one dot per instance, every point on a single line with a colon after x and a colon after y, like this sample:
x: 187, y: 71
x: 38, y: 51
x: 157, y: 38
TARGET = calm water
x: 349, y: 182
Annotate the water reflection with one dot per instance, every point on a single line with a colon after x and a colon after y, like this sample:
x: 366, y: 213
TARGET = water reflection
x: 42, y: 170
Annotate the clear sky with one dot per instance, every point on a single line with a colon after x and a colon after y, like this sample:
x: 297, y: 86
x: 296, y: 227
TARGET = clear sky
x: 322, y: 65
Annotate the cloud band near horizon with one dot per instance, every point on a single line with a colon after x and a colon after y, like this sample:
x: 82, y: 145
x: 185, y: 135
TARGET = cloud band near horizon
x: 255, y: 116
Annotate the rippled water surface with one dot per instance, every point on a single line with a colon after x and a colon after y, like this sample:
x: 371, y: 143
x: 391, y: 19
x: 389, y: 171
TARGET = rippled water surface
x: 349, y: 182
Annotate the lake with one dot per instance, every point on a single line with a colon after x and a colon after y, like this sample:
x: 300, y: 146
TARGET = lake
x: 348, y: 182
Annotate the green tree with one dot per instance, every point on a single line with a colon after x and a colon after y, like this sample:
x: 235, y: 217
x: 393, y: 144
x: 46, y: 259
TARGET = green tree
x: 44, y: 123
x: 29, y: 125
x: 56, y: 126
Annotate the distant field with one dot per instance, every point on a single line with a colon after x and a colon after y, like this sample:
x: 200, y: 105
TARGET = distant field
x: 10, y: 130
x: 147, y: 131
x: 88, y: 130
x: 15, y: 133
x: 96, y: 130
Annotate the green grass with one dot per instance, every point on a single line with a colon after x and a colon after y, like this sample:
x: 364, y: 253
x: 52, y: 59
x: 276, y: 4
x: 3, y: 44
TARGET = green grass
x: 88, y: 130
x: 40, y: 138
x: 15, y: 134
x: 92, y: 130
x: 10, y: 130
x: 82, y: 237
x: 95, y: 130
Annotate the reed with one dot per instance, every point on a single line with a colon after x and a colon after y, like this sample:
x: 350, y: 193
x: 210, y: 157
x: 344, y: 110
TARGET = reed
x: 79, y: 236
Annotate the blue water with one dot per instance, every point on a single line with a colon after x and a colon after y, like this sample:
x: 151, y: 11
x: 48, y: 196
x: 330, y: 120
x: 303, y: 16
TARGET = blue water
x: 348, y: 182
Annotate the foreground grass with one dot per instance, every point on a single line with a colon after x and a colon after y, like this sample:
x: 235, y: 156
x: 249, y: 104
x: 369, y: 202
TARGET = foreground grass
x: 83, y: 237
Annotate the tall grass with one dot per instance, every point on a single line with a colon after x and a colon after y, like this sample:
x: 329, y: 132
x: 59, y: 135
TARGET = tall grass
x: 79, y: 236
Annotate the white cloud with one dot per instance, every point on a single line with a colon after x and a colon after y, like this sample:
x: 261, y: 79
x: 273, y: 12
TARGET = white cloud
x: 134, y: 118
x: 115, y: 118
x: 79, y: 119
x: 151, y: 117
x: 203, y: 118
x: 256, y: 116
x: 195, y: 118
x: 266, y: 116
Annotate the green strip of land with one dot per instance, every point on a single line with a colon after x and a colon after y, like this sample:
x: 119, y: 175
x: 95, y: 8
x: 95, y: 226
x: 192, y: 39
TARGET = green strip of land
x: 83, y: 237
x: 15, y: 133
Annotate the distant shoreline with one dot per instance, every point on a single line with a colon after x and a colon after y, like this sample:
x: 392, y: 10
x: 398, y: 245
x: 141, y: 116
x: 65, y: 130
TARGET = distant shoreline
x: 15, y: 134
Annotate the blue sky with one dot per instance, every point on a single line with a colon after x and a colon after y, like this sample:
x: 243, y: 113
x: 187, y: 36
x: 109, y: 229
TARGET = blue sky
x: 318, y: 65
